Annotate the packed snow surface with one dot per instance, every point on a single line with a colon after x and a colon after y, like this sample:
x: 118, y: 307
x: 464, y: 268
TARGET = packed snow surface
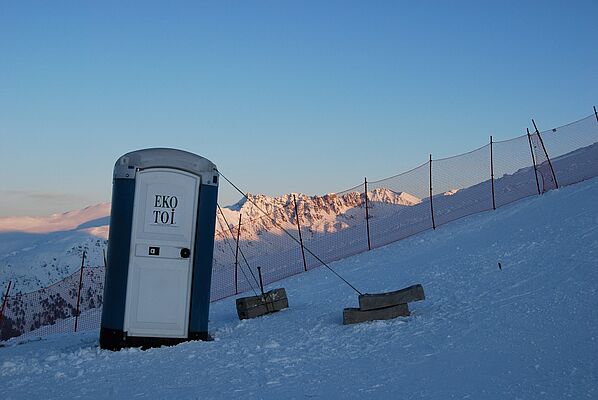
x: 526, y: 331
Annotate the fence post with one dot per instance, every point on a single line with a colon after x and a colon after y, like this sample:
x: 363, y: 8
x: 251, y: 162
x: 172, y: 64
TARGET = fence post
x: 492, y: 174
x: 431, y: 204
x: 367, y: 213
x: 79, y: 291
x: 259, y: 271
x: 300, y: 237
x: 237, y: 257
x: 4, y: 301
x: 531, y: 149
x: 545, y: 153
x: 595, y: 114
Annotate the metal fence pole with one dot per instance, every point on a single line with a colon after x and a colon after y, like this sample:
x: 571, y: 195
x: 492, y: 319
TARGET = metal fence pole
x: 492, y: 174
x: 259, y: 271
x: 431, y: 203
x: 4, y: 304
x: 546, y: 154
x: 367, y: 213
x: 237, y: 257
x: 300, y: 237
x: 531, y: 149
x: 79, y: 290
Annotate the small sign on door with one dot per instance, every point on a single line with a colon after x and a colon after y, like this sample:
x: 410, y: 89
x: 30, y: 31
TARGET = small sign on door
x: 154, y: 251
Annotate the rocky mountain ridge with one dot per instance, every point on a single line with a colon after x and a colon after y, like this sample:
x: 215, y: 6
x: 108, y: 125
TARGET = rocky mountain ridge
x: 326, y: 213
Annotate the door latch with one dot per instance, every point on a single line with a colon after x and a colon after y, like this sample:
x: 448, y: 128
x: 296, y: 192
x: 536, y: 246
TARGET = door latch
x: 185, y: 252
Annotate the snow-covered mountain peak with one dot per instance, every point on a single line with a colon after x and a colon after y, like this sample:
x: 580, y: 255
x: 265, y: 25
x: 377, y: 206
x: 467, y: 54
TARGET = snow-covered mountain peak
x: 87, y: 217
x: 330, y: 203
x: 321, y: 213
x: 385, y: 195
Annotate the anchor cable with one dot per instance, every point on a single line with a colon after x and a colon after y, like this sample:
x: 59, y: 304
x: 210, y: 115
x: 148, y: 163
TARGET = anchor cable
x: 231, y: 248
x: 242, y: 270
x: 240, y: 250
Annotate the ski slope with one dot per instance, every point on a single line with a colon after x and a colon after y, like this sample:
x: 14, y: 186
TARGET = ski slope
x: 526, y: 331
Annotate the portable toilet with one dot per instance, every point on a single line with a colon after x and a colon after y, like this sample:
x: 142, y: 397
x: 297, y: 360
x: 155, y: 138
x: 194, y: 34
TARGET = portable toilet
x: 160, y: 249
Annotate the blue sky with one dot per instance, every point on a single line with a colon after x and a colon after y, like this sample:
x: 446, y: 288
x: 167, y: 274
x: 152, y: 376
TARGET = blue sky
x: 283, y: 96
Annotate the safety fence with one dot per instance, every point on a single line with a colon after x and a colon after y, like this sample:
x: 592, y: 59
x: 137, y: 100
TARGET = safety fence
x: 296, y: 233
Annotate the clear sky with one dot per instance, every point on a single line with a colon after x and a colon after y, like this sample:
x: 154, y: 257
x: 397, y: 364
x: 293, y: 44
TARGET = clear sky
x: 283, y: 96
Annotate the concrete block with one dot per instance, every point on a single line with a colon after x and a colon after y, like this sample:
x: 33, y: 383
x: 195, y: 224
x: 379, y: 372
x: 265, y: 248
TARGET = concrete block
x: 256, y: 306
x: 355, y: 315
x: 381, y: 300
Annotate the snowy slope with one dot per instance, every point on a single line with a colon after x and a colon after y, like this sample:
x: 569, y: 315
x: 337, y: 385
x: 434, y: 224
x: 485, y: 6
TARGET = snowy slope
x: 39, y: 260
x: 57, y: 222
x: 36, y: 252
x: 528, y: 331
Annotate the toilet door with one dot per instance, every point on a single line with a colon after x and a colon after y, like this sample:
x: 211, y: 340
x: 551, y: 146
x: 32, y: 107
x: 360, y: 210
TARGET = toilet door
x: 161, y: 256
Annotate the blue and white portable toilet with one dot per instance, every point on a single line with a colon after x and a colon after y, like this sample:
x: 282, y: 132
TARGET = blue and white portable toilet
x: 160, y: 249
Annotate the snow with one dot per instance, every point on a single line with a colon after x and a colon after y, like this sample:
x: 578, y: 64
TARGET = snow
x: 37, y: 252
x: 87, y: 217
x: 526, y: 331
x: 47, y: 258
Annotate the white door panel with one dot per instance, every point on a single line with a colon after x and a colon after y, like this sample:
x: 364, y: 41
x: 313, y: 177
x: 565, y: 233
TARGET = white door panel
x: 160, y: 266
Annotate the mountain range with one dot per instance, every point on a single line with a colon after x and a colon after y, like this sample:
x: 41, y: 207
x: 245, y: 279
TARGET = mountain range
x: 38, y: 251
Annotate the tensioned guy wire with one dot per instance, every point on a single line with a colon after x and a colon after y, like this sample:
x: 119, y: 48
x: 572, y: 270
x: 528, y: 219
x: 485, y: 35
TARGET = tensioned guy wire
x: 288, y: 233
x: 231, y: 248
x: 241, y: 252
